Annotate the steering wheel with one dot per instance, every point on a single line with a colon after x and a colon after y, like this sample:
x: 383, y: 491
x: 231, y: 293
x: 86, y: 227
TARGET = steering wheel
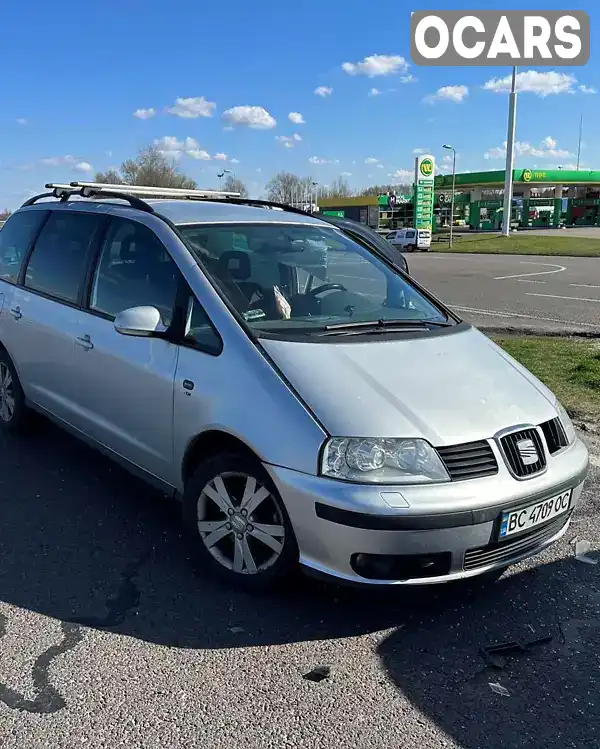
x: 326, y: 287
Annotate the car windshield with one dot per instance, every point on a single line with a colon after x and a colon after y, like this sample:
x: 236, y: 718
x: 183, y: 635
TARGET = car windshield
x: 292, y: 278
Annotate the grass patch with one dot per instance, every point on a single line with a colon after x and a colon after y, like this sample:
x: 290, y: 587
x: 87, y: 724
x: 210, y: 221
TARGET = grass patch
x: 569, y: 367
x: 523, y: 244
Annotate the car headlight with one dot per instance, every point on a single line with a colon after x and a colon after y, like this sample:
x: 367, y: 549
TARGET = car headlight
x: 566, y: 422
x: 382, y: 461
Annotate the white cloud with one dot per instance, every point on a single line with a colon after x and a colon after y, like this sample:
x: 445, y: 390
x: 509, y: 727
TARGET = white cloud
x: 78, y: 165
x: 256, y: 118
x: 380, y: 166
x: 546, y: 150
x: 234, y: 161
x: 375, y: 92
x: 402, y: 175
x: 582, y: 88
x: 144, y: 114
x: 220, y: 157
x: 288, y: 141
x: 534, y: 82
x: 192, y: 107
x: 319, y: 160
x: 59, y: 161
x: 448, y: 93
x: 573, y: 167
x: 419, y: 151
x: 323, y: 91
x: 296, y: 118
x: 408, y: 78
x: 371, y: 160
x: 447, y: 159
x: 375, y: 65
x: 171, y: 147
x: 346, y: 174
x: 109, y: 154
x: 199, y: 154
x: 21, y: 121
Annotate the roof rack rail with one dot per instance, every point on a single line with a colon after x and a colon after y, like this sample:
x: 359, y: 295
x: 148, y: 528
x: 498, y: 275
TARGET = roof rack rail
x: 133, y: 194
x: 148, y: 191
x: 65, y: 191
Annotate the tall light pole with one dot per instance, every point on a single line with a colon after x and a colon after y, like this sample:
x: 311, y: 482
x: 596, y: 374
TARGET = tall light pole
x: 314, y: 196
x: 451, y: 148
x: 579, y: 144
x: 220, y: 176
x: 510, y: 155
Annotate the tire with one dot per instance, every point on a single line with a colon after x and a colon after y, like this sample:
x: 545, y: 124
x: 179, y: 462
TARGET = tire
x: 14, y: 415
x: 252, y: 558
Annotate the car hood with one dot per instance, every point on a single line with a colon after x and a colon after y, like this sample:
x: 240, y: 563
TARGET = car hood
x: 449, y: 387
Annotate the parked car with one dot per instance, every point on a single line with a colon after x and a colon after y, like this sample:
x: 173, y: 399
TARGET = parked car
x: 336, y: 417
x: 364, y: 233
x: 404, y: 239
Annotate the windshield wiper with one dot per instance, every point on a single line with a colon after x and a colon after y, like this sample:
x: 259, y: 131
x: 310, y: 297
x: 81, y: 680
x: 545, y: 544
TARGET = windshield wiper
x: 377, y: 326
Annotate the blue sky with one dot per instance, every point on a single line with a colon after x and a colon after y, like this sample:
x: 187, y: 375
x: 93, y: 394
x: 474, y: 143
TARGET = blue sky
x: 75, y: 74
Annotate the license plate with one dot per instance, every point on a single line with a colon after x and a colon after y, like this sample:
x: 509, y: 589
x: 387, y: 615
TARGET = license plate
x: 517, y: 521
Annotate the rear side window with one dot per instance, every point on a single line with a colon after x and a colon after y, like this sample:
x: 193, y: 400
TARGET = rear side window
x: 410, y: 235
x: 15, y: 239
x: 59, y: 259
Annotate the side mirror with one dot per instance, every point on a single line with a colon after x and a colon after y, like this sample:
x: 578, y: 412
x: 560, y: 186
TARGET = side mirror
x: 139, y: 321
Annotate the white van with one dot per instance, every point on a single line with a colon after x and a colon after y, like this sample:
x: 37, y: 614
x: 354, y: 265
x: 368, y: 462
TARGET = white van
x: 404, y: 239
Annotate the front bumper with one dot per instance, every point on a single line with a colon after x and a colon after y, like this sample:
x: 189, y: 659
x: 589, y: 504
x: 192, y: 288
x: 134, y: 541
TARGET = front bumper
x: 336, y: 521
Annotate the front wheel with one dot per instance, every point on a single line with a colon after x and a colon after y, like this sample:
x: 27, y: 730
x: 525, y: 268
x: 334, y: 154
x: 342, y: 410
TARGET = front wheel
x: 238, y: 524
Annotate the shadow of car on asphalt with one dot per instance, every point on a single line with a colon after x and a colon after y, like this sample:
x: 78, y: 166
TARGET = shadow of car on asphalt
x: 85, y: 543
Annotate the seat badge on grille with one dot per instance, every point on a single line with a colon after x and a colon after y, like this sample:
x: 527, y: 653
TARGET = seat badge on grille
x: 527, y: 452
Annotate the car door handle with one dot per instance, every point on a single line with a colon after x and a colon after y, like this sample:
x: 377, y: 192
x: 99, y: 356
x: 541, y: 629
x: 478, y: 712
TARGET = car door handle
x: 16, y: 313
x: 85, y: 342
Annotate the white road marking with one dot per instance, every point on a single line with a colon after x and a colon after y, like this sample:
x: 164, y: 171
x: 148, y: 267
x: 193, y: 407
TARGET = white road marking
x: 584, y: 285
x: 558, y: 269
x: 555, y: 296
x: 529, y: 280
x: 498, y: 313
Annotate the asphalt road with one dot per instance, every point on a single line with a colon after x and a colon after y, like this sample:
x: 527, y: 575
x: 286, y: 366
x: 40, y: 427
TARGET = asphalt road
x: 519, y: 291
x: 109, y: 638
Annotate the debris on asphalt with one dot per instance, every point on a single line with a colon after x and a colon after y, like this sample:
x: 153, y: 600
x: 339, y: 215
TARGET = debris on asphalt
x: 499, y: 689
x: 493, y: 654
x: 318, y: 674
x: 517, y: 647
x: 236, y: 630
x: 581, y: 552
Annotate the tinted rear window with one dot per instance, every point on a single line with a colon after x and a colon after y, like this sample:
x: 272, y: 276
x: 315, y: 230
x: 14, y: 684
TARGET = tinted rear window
x: 59, y: 259
x: 15, y: 239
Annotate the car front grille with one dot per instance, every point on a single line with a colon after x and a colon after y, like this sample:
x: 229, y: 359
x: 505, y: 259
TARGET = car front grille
x: 468, y: 461
x: 555, y: 435
x: 505, y: 551
x: 524, y: 452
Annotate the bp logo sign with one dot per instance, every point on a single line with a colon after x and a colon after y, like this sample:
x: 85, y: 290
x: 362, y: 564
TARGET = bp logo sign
x: 427, y: 167
x: 527, y: 175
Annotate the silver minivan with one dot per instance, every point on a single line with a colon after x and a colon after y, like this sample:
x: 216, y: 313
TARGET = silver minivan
x: 307, y: 401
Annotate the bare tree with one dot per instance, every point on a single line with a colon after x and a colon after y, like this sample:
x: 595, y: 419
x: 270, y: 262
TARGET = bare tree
x: 286, y: 187
x: 232, y: 184
x: 5, y: 214
x: 339, y: 188
x: 151, y: 167
x: 383, y: 189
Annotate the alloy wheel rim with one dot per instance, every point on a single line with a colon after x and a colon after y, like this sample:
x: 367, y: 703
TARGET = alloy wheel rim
x: 7, y: 395
x: 240, y: 523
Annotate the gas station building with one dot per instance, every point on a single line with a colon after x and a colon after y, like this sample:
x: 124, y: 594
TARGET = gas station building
x: 570, y: 198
